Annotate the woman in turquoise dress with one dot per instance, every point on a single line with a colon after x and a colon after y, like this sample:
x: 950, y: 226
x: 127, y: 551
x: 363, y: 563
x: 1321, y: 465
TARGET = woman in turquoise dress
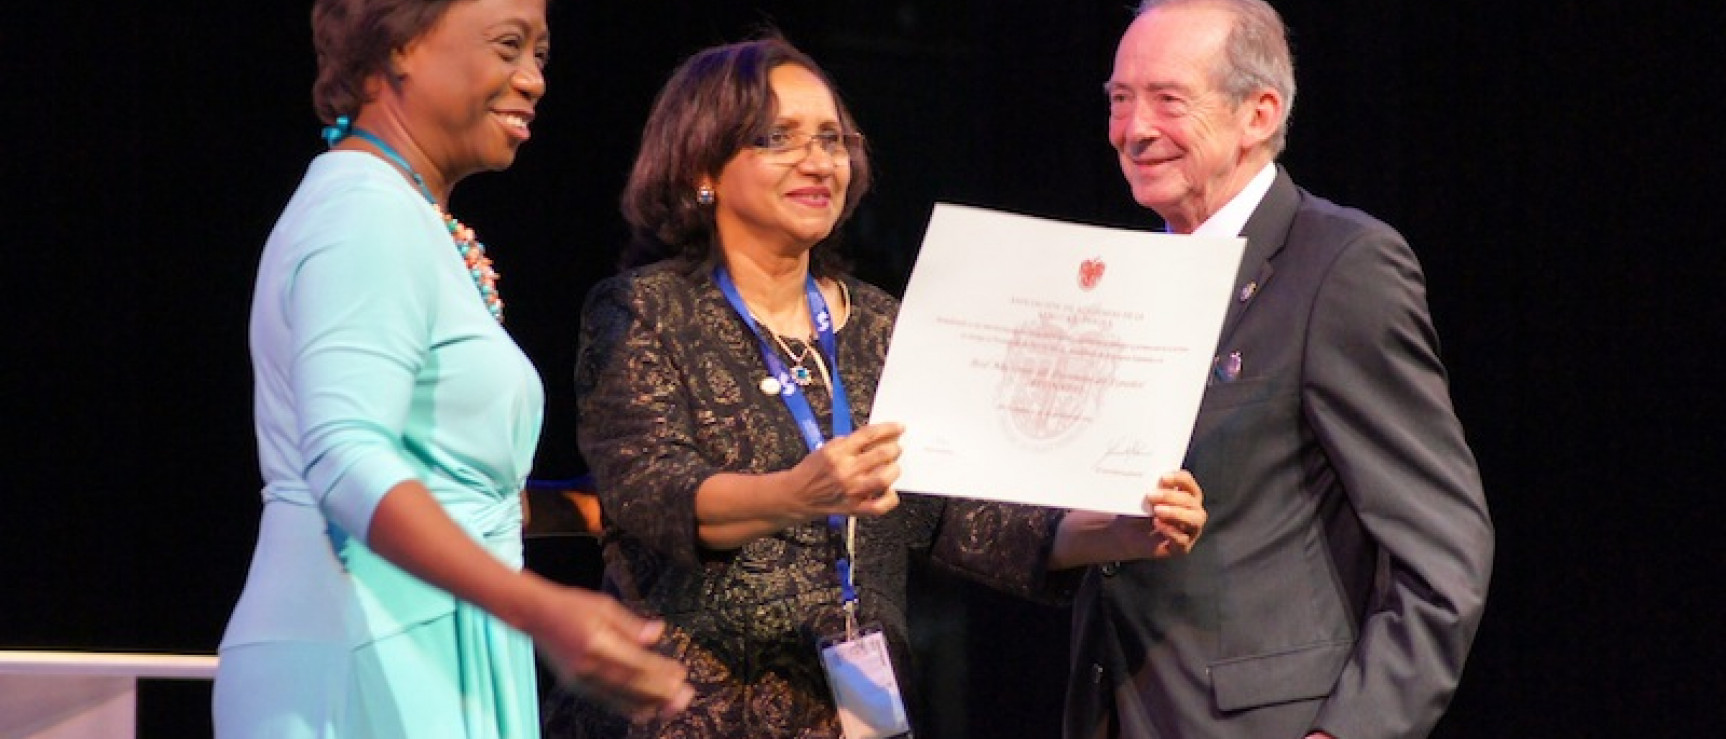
x: 396, y: 419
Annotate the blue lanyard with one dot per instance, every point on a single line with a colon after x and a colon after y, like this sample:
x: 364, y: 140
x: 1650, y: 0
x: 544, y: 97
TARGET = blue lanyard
x: 794, y: 399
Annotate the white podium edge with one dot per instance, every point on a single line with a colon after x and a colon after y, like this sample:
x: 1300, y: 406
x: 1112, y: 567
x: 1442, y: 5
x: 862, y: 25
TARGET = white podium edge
x: 84, y: 695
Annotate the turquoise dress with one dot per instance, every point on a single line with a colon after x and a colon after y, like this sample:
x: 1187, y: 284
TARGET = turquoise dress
x: 375, y: 362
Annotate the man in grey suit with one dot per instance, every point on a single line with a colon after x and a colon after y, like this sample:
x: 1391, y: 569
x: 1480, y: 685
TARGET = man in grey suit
x: 1345, y: 566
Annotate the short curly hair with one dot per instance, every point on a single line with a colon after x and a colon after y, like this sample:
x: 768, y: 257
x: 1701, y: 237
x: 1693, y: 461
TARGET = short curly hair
x: 354, y: 40
x: 716, y: 102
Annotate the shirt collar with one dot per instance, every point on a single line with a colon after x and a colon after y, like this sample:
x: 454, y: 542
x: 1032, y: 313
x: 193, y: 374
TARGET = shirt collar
x: 1231, y: 219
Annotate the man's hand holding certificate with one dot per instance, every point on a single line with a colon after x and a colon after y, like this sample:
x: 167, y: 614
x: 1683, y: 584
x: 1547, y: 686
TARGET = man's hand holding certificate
x: 1052, y: 363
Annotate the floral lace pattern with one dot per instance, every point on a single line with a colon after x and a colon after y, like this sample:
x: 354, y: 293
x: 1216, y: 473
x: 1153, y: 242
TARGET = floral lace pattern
x: 667, y: 389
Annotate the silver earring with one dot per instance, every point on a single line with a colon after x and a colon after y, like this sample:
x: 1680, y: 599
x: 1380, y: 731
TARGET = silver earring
x: 704, y: 195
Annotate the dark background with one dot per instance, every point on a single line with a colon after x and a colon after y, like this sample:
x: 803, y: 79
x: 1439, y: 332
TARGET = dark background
x: 1555, y: 165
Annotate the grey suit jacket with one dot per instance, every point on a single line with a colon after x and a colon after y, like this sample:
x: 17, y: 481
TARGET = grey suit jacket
x: 1344, y: 568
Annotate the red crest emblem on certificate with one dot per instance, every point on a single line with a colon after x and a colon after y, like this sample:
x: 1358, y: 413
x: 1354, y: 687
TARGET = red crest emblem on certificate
x: 1091, y: 272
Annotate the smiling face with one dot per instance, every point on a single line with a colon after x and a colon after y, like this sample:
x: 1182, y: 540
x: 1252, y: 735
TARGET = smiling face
x: 784, y: 208
x: 468, y: 85
x: 1185, y: 147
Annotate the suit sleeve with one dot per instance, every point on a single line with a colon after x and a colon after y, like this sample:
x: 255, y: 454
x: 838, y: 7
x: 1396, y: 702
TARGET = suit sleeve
x: 1379, y: 402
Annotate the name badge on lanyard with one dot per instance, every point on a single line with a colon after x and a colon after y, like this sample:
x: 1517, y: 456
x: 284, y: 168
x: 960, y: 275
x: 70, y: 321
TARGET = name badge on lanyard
x: 859, y: 669
x: 860, y: 672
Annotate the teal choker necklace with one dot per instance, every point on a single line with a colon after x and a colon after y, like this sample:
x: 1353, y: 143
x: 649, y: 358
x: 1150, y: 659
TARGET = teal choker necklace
x: 466, y: 244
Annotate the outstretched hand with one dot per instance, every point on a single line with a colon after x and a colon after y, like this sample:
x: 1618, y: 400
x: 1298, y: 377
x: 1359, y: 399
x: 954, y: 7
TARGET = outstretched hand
x: 602, y: 651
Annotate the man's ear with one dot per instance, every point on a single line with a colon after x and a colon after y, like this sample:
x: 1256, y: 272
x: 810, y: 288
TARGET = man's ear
x: 1264, y: 115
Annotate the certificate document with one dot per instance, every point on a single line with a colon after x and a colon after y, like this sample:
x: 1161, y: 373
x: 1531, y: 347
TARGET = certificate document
x: 1052, y: 363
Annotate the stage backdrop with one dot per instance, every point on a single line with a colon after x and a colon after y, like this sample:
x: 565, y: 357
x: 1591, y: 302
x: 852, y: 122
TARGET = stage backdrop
x: 1555, y: 165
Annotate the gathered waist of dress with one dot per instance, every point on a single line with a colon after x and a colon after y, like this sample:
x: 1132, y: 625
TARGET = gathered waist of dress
x: 494, y: 516
x: 494, y: 519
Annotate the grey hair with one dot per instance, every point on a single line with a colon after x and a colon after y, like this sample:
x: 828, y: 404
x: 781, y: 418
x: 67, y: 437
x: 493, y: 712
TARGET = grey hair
x: 1257, y: 56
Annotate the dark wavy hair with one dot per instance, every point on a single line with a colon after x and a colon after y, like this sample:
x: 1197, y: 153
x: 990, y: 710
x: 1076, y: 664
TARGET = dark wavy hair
x: 354, y: 40
x: 715, y: 104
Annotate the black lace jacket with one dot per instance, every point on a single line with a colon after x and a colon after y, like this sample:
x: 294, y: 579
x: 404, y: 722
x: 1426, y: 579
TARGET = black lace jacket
x: 667, y: 384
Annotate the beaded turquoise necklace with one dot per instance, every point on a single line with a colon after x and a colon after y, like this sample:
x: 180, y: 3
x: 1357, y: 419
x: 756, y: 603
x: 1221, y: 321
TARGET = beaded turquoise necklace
x: 466, y: 243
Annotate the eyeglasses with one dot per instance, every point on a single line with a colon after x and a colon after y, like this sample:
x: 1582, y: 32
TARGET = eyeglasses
x: 788, y: 147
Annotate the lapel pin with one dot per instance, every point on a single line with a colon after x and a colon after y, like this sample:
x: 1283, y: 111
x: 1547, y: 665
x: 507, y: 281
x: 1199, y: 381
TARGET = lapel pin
x: 1226, y: 369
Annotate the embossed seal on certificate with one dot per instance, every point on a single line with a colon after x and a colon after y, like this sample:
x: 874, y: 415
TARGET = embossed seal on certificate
x: 1054, y: 375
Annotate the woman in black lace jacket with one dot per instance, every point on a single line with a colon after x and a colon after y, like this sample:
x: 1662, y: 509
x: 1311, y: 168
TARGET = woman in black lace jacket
x: 719, y: 517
